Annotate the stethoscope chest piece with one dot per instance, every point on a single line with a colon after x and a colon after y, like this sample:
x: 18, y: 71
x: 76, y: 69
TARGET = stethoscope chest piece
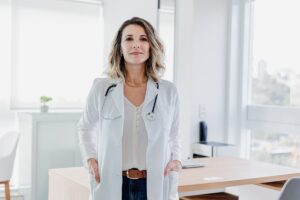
x: 151, y: 116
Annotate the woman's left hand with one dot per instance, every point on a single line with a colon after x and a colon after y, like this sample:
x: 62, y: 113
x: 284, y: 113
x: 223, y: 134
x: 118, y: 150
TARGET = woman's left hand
x: 173, y: 165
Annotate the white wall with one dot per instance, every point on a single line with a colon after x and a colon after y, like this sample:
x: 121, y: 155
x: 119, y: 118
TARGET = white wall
x: 209, y: 66
x: 200, y: 60
x: 7, y: 117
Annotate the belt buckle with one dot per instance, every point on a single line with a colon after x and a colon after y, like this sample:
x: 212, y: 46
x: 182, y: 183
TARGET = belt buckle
x: 127, y: 175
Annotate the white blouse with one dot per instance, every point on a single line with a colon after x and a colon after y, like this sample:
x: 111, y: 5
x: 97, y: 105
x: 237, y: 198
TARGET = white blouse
x: 134, y: 143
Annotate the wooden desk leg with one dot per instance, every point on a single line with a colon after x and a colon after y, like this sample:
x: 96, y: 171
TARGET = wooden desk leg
x: 277, y: 185
x: 213, y: 196
x: 7, y: 190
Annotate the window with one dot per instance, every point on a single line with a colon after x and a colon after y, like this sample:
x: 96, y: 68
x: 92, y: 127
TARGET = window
x: 276, y: 45
x: 56, y: 51
x: 276, y: 147
x: 166, y: 29
x: 273, y: 110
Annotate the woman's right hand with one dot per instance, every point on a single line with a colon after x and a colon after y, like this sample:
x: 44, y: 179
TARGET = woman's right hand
x: 93, y: 169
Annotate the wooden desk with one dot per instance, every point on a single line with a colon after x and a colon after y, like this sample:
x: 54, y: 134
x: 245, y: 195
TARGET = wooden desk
x: 68, y: 184
x: 219, y: 172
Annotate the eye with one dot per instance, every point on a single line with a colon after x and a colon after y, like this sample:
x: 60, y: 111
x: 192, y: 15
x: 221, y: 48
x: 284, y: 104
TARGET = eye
x: 144, y: 39
x: 128, y: 39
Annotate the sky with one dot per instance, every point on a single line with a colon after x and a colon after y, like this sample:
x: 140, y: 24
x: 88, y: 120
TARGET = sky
x: 277, y: 34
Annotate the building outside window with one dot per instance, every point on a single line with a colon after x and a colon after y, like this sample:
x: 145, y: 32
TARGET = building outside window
x: 275, y: 82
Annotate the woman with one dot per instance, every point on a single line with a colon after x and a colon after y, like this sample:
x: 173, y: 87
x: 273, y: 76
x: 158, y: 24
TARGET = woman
x: 135, y: 153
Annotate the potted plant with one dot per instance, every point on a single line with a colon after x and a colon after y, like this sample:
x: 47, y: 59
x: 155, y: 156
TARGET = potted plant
x: 44, y: 100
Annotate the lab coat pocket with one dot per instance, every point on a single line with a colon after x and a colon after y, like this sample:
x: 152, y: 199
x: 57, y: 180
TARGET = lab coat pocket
x: 173, y: 185
x: 94, y: 186
x: 109, y: 110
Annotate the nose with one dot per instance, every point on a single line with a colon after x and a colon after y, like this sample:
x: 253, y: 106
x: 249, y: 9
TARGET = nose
x: 136, y: 45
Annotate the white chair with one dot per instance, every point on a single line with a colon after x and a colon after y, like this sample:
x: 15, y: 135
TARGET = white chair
x: 8, y: 146
x: 291, y: 190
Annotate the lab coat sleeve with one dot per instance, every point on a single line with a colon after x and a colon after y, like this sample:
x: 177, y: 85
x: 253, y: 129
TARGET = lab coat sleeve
x: 87, y: 126
x: 174, y: 134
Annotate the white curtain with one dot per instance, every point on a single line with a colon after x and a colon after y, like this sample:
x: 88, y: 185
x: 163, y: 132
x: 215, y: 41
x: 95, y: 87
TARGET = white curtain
x: 56, y: 51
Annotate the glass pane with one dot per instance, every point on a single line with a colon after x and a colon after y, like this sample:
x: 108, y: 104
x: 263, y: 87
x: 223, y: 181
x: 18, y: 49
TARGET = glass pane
x: 276, y: 45
x: 166, y: 32
x: 278, y: 148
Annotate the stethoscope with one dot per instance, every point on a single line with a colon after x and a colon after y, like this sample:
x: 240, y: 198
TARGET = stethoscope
x: 150, y: 115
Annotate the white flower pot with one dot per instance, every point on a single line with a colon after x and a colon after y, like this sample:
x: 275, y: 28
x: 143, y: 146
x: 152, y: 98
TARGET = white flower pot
x: 44, y: 108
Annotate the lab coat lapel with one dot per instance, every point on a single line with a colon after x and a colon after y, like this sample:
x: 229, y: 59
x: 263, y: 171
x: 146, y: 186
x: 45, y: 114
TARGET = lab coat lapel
x: 152, y: 126
x: 151, y: 92
x: 117, y: 95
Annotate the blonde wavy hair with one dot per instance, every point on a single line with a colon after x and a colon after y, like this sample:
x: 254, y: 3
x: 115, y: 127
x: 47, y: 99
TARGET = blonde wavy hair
x: 154, y: 64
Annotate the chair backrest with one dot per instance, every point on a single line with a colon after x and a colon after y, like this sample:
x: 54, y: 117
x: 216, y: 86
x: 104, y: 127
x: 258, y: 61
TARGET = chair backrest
x: 291, y: 190
x: 8, y: 146
x: 8, y: 143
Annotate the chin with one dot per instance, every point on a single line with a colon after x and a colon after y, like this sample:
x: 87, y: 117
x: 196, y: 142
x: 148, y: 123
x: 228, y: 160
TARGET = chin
x: 136, y: 62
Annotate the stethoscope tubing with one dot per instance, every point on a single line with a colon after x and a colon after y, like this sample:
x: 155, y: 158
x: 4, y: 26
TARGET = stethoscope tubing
x: 154, y: 104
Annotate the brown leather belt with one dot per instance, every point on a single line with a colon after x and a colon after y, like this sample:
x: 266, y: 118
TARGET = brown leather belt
x: 135, y: 173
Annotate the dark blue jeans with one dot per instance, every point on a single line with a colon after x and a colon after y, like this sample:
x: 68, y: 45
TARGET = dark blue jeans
x: 134, y: 189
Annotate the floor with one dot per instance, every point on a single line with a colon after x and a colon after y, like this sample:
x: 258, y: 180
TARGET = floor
x: 252, y: 192
x: 248, y: 192
x: 14, y: 196
x: 21, y: 194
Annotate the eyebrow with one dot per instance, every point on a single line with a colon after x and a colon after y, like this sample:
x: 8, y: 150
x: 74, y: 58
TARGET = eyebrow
x: 132, y: 35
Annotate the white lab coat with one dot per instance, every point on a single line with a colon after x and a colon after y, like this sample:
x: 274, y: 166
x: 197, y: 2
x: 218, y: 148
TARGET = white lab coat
x: 100, y: 136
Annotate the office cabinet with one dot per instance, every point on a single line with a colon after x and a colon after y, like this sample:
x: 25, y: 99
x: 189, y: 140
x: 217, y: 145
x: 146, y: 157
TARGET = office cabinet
x: 47, y: 140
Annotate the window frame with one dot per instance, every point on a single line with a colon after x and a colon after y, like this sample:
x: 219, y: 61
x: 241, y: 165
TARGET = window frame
x: 249, y: 116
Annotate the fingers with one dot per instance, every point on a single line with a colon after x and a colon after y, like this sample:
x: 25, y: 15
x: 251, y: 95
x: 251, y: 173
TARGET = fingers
x: 97, y: 176
x: 92, y: 166
x: 172, y: 166
x: 177, y: 168
x: 94, y: 170
x: 166, y: 172
x: 168, y: 168
x: 95, y: 173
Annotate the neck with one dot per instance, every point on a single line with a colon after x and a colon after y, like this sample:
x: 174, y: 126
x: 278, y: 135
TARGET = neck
x: 135, y: 74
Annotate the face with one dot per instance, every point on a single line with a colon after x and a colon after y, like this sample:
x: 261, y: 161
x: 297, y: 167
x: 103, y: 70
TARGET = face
x: 134, y: 45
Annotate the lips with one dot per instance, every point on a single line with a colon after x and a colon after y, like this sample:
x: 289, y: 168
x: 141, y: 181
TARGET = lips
x: 136, y: 53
